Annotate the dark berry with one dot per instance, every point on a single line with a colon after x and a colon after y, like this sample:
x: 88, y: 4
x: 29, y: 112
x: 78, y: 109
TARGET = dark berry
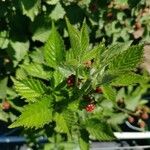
x: 93, y: 7
x: 121, y: 103
x: 71, y: 80
x: 144, y: 116
x: 98, y: 90
x: 5, y: 105
x: 90, y: 107
x: 131, y: 119
x: 110, y: 15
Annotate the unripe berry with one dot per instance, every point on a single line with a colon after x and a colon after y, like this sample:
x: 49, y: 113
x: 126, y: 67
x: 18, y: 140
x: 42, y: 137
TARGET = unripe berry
x: 142, y: 124
x: 6, y: 105
x: 131, y: 119
x: 144, y: 116
x: 98, y: 90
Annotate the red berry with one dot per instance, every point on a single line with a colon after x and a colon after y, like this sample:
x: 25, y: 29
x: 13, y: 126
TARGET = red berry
x: 90, y: 107
x: 142, y: 124
x: 144, y: 116
x: 98, y: 90
x: 5, y: 105
x: 93, y: 7
x: 131, y: 119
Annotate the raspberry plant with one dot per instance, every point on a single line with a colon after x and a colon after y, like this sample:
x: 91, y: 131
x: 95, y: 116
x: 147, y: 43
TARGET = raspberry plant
x: 66, y: 95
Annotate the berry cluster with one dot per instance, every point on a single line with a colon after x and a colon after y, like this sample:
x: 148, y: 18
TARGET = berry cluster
x: 141, y: 115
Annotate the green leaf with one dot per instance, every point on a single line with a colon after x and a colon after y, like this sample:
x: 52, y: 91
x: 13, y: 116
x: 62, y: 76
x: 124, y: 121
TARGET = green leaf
x: 54, y: 49
x: 127, y: 60
x: 38, y: 70
x: 116, y: 119
x: 58, y: 12
x: 41, y: 34
x: 36, y: 114
x: 99, y: 130
x: 3, y: 87
x: 58, y: 77
x: 4, y: 116
x: 109, y: 92
x: 64, y: 121
x: 30, y: 8
x: 84, y: 38
x: 52, y: 2
x: 113, y: 51
x: 91, y: 54
x: 37, y: 56
x: 75, y: 40
x: 4, y: 39
x: 127, y: 79
x: 84, y: 140
x: 17, y: 51
x: 21, y: 74
x: 30, y: 89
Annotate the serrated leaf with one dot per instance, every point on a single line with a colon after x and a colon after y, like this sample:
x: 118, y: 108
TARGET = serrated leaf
x: 116, y: 119
x: 21, y: 74
x: 113, y: 51
x: 58, y: 78
x: 64, y: 121
x: 99, y: 130
x: 30, y: 8
x: 54, y: 49
x: 84, y: 140
x: 127, y: 79
x: 91, y: 54
x: 127, y: 60
x: 75, y: 40
x: 109, y: 92
x: 35, y: 115
x: 84, y: 38
x: 29, y: 89
x: 37, y: 70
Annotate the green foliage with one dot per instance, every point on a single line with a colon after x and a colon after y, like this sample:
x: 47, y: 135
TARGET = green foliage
x: 99, y: 130
x: 60, y: 87
x: 36, y: 114
x: 128, y: 59
x: 54, y: 49
x: 30, y: 88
